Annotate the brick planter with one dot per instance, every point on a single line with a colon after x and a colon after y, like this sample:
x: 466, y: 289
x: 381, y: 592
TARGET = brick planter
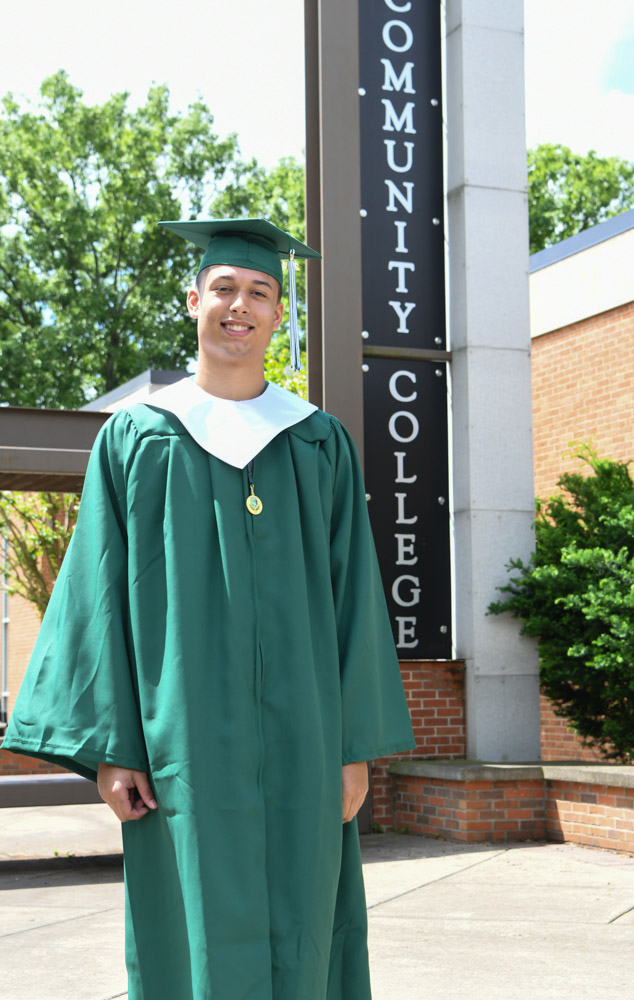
x: 591, y: 807
x: 470, y: 802
x: 461, y: 801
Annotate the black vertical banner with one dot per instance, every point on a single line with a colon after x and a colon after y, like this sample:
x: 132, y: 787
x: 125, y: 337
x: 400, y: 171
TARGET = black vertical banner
x: 406, y: 475
x: 402, y: 201
x: 403, y: 290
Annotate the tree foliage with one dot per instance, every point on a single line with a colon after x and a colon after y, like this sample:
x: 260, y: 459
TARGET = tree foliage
x: 576, y: 595
x: 91, y: 289
x: 38, y: 528
x: 568, y: 192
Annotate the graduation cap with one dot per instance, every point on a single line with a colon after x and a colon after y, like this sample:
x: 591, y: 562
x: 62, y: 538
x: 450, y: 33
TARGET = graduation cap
x: 253, y: 243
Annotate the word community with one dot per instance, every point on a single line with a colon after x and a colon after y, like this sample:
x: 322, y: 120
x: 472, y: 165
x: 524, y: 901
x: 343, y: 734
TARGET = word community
x: 398, y: 38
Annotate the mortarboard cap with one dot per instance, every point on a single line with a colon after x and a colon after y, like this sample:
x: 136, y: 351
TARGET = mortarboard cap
x: 253, y: 243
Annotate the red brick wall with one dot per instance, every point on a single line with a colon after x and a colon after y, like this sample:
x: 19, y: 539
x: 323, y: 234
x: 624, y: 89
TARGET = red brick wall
x: 17, y: 763
x: 470, y: 811
x: 435, y: 697
x: 557, y: 742
x: 583, y: 388
x: 596, y: 815
x: 508, y: 810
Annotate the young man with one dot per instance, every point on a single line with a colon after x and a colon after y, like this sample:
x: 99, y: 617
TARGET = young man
x: 217, y: 654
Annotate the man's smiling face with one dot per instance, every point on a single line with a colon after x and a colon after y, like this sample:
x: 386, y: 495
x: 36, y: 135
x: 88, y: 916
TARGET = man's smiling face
x: 237, y: 313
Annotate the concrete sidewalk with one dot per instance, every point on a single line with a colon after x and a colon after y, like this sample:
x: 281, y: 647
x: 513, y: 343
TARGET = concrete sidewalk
x: 487, y: 922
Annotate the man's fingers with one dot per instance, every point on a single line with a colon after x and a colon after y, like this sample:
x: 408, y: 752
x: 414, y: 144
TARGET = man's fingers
x: 140, y: 798
x: 348, y: 808
x: 137, y: 810
x: 354, y: 780
x: 351, y: 804
x: 144, y: 790
x: 121, y: 807
x: 351, y: 807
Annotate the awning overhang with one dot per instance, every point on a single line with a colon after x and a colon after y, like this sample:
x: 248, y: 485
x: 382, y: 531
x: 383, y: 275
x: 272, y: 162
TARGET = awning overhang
x: 46, y: 450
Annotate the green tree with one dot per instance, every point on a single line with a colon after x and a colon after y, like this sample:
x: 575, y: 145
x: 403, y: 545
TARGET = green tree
x: 568, y: 192
x: 576, y: 595
x: 38, y: 528
x: 91, y: 289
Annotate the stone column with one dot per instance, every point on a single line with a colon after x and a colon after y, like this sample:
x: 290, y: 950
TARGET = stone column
x: 490, y: 341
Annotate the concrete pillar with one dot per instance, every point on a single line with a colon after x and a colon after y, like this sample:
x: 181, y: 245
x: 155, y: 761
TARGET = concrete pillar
x: 490, y: 340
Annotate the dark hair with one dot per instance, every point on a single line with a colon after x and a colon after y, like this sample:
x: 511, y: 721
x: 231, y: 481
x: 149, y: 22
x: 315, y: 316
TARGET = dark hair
x: 200, y: 281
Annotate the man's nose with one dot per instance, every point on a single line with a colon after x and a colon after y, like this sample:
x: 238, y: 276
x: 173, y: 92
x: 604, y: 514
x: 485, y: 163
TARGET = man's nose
x: 240, y: 303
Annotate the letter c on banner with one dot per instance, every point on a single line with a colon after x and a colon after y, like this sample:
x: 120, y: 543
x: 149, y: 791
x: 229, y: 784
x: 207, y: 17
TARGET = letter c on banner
x: 399, y: 10
x: 413, y: 421
x: 407, y: 31
x: 394, y: 391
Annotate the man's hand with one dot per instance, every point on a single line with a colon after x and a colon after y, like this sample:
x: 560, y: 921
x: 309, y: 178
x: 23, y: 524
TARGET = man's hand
x: 354, y: 782
x: 127, y: 792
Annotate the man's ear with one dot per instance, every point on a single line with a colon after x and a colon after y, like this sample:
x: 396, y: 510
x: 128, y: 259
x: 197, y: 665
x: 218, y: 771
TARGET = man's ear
x: 193, y: 303
x: 277, y: 316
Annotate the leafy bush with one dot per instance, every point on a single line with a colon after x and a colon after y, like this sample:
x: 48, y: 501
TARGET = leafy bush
x: 576, y: 595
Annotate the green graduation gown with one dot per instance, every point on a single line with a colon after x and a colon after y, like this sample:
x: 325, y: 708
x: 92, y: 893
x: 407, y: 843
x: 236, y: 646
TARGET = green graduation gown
x: 240, y: 660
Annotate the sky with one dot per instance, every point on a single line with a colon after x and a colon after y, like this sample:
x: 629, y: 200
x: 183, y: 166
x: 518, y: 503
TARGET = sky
x: 245, y: 58
x: 580, y: 74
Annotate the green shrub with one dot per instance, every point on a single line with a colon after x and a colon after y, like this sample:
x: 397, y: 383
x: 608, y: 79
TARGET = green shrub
x: 576, y: 595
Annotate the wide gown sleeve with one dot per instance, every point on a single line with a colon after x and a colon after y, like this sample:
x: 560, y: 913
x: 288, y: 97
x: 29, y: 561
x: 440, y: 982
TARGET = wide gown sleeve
x: 77, y: 705
x: 376, y: 720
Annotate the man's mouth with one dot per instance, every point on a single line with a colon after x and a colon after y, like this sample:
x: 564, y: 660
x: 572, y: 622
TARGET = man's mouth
x: 236, y: 329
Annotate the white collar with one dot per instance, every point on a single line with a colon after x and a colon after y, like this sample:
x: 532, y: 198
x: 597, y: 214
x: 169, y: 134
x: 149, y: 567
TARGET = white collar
x: 234, y: 431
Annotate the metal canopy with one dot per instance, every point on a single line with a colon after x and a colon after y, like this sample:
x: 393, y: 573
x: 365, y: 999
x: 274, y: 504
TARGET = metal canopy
x: 46, y: 449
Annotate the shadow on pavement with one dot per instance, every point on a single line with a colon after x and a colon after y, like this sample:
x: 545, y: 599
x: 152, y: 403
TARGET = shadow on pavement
x: 48, y: 873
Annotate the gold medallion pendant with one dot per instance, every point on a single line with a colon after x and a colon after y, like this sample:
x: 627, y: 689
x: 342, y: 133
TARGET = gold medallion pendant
x: 254, y: 504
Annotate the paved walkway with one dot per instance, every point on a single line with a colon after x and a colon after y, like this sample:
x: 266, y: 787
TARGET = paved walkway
x: 516, y: 922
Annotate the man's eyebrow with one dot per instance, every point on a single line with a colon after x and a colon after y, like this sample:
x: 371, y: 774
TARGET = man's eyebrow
x: 231, y: 277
